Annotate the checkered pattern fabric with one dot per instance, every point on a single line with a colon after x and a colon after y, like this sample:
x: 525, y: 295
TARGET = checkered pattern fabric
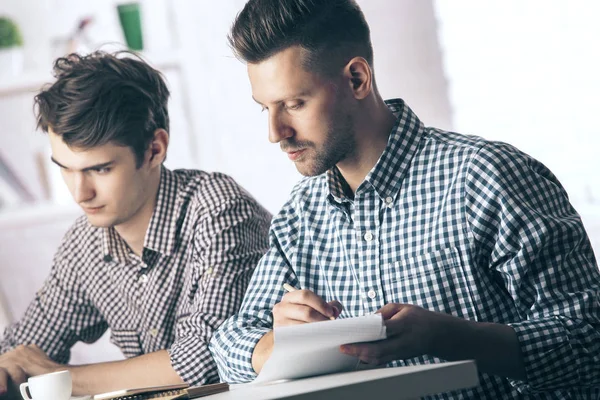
x: 451, y: 223
x: 203, y: 241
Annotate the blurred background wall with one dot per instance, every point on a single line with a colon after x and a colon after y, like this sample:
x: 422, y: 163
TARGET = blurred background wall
x: 520, y: 72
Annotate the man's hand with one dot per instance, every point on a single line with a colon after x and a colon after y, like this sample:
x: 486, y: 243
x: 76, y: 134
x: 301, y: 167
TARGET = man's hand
x: 145, y: 370
x: 297, y: 307
x: 31, y: 359
x: 411, y: 332
x: 19, y: 364
x: 302, y: 306
x: 10, y: 379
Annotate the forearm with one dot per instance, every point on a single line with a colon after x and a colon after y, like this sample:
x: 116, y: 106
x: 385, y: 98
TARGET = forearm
x: 262, y: 351
x: 147, y: 370
x: 495, y: 347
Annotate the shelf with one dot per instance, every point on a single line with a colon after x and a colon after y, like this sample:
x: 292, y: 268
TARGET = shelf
x: 32, y: 81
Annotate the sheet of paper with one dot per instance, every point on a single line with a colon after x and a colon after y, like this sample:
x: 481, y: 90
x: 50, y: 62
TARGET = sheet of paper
x: 313, y: 349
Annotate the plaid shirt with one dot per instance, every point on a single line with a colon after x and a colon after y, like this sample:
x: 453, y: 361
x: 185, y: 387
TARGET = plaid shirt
x: 203, y: 241
x: 451, y: 223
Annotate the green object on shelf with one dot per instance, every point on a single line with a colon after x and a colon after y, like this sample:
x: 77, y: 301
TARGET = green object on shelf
x: 10, y: 36
x: 131, y: 23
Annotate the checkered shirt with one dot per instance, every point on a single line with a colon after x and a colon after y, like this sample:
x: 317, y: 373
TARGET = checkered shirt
x: 451, y: 223
x: 203, y: 241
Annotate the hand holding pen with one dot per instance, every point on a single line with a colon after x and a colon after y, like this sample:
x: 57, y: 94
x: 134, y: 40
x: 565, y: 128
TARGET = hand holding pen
x: 299, y: 306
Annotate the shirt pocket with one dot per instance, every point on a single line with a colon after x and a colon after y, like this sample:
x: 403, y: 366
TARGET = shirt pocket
x: 436, y: 281
x: 128, y: 342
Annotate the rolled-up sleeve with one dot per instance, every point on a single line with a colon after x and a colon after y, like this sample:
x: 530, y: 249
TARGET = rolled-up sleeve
x: 228, y: 245
x: 234, y: 343
x: 60, y: 314
x: 530, y: 236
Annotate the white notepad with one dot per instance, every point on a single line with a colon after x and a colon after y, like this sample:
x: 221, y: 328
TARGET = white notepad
x: 313, y: 349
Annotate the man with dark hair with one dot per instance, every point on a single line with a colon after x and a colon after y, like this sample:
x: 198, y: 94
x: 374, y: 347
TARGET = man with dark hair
x: 160, y: 257
x: 468, y: 248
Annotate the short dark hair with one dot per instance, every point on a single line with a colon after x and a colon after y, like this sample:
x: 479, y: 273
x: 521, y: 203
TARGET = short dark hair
x: 102, y: 98
x: 332, y: 32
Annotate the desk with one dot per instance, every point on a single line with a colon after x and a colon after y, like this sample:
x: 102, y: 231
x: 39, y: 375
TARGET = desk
x: 385, y: 383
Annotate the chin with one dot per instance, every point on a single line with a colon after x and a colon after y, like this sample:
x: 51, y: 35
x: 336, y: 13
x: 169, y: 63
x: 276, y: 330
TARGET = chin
x: 310, y: 169
x: 100, y: 222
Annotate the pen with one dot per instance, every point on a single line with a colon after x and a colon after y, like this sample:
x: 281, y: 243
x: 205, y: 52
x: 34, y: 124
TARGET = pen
x: 289, y: 288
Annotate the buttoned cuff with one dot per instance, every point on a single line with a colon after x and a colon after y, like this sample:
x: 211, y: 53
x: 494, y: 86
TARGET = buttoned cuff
x: 548, y: 357
x: 192, y: 361
x: 234, y: 356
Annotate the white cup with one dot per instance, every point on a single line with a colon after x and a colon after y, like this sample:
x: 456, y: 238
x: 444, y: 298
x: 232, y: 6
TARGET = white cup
x: 54, y: 386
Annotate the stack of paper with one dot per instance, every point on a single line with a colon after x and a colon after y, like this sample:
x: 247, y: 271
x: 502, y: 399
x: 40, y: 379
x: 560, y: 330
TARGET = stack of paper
x: 313, y: 349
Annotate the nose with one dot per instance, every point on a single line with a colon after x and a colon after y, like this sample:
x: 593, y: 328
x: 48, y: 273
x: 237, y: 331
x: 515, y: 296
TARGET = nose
x: 82, y: 188
x: 279, y: 128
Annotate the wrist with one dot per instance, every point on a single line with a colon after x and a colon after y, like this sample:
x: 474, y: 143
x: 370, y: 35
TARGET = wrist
x: 262, y: 351
x: 452, y: 337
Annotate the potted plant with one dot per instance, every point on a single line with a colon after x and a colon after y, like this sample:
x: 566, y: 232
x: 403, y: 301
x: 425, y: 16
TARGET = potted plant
x: 11, y: 48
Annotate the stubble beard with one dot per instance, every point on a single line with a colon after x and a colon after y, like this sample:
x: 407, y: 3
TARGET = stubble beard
x: 339, y: 144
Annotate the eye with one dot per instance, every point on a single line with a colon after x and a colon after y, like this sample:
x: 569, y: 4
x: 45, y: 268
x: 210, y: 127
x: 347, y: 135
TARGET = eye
x: 295, y: 106
x: 102, y: 171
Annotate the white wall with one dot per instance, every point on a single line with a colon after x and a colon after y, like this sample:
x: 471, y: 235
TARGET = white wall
x: 527, y: 73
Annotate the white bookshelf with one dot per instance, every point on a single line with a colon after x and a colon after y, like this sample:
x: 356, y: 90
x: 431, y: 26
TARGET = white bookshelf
x: 32, y: 81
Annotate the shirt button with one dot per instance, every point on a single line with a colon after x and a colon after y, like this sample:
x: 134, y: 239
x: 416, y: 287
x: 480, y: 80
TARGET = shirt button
x: 153, y: 332
x: 368, y: 236
x: 372, y: 294
x: 388, y: 201
x: 143, y: 278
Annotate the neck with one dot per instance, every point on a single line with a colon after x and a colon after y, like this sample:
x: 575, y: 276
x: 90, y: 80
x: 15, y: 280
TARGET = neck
x: 133, y: 231
x: 372, y: 133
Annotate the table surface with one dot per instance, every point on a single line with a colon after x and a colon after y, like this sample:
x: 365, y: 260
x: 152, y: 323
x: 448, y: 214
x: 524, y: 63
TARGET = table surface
x: 397, y: 383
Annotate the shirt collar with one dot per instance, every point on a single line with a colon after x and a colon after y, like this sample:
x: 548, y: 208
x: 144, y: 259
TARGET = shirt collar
x: 389, y: 171
x: 161, y: 235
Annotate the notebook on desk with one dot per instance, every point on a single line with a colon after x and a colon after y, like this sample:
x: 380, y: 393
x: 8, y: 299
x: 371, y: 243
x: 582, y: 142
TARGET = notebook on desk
x: 313, y: 349
x: 168, y: 392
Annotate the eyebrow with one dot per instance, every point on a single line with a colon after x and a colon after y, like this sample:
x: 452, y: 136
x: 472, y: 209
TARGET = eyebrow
x: 301, y: 94
x: 90, y: 168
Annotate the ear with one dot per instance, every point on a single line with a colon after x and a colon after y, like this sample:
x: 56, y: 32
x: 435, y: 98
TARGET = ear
x: 359, y: 76
x: 157, y: 151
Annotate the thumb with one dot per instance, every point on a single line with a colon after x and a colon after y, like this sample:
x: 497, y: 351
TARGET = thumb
x: 389, y: 310
x: 337, y: 307
x: 3, y: 381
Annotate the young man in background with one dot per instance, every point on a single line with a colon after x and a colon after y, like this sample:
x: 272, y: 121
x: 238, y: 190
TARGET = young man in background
x: 469, y: 249
x: 161, y: 257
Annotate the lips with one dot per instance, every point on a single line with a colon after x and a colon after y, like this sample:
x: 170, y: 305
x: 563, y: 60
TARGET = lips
x: 293, y: 155
x: 92, y: 210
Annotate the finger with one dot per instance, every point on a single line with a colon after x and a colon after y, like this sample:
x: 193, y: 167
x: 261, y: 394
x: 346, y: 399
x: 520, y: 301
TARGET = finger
x: 284, y: 312
x: 337, y: 308
x: 389, y: 310
x: 310, y: 299
x: 3, y: 380
x: 396, y: 327
x: 16, y: 374
x: 380, y: 352
x: 287, y: 322
x: 35, y: 348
